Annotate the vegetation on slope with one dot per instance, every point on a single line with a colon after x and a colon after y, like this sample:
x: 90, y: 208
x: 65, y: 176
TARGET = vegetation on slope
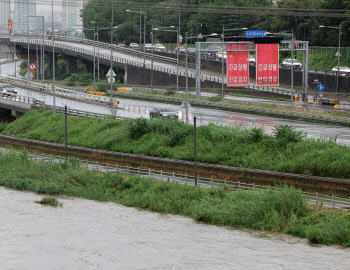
x: 286, y: 150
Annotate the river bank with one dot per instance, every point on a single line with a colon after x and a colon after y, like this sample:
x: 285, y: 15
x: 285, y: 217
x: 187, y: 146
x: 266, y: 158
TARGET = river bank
x: 276, y: 211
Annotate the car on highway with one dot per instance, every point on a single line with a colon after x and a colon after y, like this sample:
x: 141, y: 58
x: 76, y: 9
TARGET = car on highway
x: 159, y: 47
x: 163, y: 112
x: 148, y: 46
x: 8, y: 88
x: 134, y: 46
x: 288, y: 63
x: 341, y: 69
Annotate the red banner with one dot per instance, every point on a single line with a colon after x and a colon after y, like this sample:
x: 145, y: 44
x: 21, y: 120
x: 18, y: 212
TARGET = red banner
x: 267, y: 72
x: 237, y: 65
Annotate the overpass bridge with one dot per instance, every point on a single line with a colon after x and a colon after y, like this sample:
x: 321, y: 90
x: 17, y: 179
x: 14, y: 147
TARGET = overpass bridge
x: 138, y: 68
x: 136, y: 65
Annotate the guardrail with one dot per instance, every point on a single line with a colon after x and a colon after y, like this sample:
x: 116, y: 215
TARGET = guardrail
x: 205, y: 182
x: 15, y: 97
x: 241, y: 108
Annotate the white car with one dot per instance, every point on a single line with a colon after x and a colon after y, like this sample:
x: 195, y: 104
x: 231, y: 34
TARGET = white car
x: 341, y: 69
x: 148, y: 46
x: 159, y: 47
x: 134, y: 45
x: 8, y: 88
x: 288, y: 63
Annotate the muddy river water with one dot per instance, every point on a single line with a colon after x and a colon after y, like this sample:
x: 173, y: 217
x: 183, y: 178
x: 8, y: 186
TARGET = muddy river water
x: 84, y: 234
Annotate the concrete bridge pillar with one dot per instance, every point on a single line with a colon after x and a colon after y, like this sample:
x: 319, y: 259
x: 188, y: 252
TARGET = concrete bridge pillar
x: 50, y: 63
x: 71, y: 64
x: 16, y: 114
x: 126, y: 74
x: 89, y: 66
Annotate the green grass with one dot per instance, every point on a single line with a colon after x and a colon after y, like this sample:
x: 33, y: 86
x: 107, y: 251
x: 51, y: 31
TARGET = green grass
x: 51, y: 201
x: 286, y: 150
x: 277, y: 211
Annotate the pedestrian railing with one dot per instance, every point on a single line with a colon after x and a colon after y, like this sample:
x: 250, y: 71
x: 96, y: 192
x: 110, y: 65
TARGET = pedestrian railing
x: 204, y: 182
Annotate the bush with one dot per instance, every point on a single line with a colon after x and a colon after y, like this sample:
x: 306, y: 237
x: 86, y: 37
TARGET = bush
x: 287, y: 134
x: 137, y: 128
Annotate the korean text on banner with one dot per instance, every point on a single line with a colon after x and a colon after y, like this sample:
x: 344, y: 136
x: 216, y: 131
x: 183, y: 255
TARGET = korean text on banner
x: 267, y: 72
x: 237, y: 65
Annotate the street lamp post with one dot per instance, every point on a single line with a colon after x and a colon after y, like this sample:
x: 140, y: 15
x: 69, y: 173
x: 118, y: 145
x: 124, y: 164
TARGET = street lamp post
x: 222, y: 55
x: 166, y: 29
x: 43, y: 49
x: 144, y: 32
x: 338, y: 54
x: 94, y: 68
x: 152, y: 60
x: 111, y: 77
x: 53, y: 64
x: 200, y: 36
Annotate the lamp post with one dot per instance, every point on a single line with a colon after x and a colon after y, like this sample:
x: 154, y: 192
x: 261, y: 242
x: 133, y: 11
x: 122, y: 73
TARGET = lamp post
x: 166, y: 29
x: 338, y: 54
x: 200, y: 36
x: 111, y: 77
x: 98, y: 50
x: 53, y: 64
x: 152, y: 60
x: 43, y: 49
x: 144, y: 32
x: 94, y: 68
x: 222, y: 55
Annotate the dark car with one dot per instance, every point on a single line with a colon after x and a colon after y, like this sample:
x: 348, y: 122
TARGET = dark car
x: 163, y: 112
x: 8, y: 88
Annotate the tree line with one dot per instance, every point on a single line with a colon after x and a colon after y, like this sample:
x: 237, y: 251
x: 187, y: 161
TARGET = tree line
x: 194, y: 21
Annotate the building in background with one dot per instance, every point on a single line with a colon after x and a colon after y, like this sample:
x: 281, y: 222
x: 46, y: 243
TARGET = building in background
x: 23, y: 9
x: 71, y: 10
x: 5, y: 7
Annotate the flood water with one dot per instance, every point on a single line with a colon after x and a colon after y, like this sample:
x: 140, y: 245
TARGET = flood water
x: 84, y: 234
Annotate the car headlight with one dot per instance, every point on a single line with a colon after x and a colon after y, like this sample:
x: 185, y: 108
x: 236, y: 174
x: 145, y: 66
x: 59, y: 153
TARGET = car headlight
x: 165, y: 114
x: 4, y: 91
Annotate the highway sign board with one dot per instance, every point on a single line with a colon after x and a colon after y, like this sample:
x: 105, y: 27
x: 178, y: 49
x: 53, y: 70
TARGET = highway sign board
x: 111, y: 79
x: 255, y: 33
x: 32, y: 66
x: 320, y: 87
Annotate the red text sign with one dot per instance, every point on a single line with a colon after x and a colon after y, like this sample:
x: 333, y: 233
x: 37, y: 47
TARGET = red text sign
x: 267, y: 73
x: 237, y: 65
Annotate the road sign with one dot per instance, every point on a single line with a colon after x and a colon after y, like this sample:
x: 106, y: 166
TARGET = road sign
x: 29, y: 76
x: 338, y: 53
x: 10, y: 24
x: 320, y: 87
x: 110, y: 73
x: 32, y: 66
x: 255, y: 33
x: 111, y: 79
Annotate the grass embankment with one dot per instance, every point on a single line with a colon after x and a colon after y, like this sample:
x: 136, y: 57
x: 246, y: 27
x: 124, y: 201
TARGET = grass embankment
x: 278, y: 211
x: 286, y: 150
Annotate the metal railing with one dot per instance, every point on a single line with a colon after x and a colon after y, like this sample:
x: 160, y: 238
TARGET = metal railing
x: 205, y: 182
